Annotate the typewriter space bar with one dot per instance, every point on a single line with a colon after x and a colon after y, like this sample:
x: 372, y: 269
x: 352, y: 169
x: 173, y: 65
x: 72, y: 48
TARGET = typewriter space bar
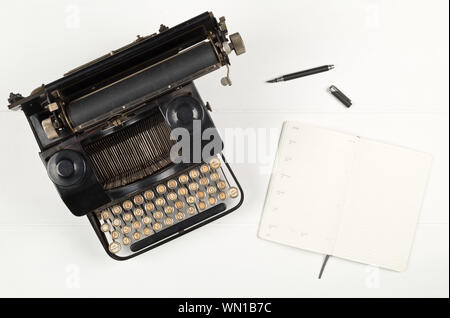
x: 178, y: 227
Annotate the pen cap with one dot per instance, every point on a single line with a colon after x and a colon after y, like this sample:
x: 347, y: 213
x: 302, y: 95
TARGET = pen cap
x: 340, y: 96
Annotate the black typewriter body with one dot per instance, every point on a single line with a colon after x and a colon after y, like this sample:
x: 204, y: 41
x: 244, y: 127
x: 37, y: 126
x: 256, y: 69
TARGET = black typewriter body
x: 104, y: 132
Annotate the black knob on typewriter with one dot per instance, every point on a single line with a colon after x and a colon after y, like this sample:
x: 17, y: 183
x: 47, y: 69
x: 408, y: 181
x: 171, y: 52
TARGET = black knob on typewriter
x: 183, y: 110
x: 66, y: 168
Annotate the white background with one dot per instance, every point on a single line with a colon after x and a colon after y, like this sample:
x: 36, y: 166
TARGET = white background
x: 391, y: 58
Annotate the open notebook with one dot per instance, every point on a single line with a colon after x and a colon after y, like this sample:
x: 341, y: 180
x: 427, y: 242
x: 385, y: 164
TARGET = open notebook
x: 345, y: 196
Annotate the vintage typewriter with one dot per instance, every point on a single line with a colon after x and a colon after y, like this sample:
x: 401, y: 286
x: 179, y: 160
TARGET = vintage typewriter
x: 104, y: 131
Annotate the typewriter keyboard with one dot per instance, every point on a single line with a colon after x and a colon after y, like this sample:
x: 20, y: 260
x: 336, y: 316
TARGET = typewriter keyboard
x: 166, y: 204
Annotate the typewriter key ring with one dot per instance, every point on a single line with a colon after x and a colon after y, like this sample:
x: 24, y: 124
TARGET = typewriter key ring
x: 114, y: 247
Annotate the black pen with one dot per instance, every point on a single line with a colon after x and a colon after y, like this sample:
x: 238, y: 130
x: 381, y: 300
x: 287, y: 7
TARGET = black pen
x: 312, y: 71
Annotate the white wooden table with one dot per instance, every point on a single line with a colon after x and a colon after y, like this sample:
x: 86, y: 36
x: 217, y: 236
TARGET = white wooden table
x: 391, y: 58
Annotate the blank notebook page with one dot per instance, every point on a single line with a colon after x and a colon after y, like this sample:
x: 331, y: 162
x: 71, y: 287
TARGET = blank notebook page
x: 346, y: 196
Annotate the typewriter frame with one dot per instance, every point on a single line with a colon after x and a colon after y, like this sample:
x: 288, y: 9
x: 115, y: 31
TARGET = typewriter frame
x: 53, y: 112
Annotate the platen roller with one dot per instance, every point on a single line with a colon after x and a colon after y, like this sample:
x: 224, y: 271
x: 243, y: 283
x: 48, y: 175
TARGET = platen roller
x: 158, y: 77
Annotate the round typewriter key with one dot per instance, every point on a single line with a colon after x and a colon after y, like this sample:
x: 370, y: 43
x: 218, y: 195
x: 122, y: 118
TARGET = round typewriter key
x: 215, y: 163
x: 149, y: 207
x: 233, y: 192
x: 149, y: 195
x: 204, y: 181
x: 179, y: 215
x: 193, y: 186
x: 202, y: 205
x: 168, y: 221
x: 172, y: 184
x: 160, y: 201
x: 211, y: 189
x: 127, y: 205
x: 105, y: 214
x: 200, y: 195
x: 139, y: 199
x: 194, y: 173
x: 169, y: 209
x: 182, y: 191
x: 212, y: 200
x: 161, y: 189
x: 146, y: 220
x: 127, y: 217
x: 204, y: 168
x: 172, y: 196
x: 126, y: 229
x: 115, y: 234
x: 179, y: 205
x: 116, y: 209
x: 221, y: 185
x: 147, y: 231
x: 222, y: 196
x: 114, y: 247
x: 214, y: 176
x: 190, y: 199
x: 190, y: 210
x: 158, y: 215
x: 137, y: 236
x: 183, y: 178
x: 138, y: 212
x: 104, y: 227
x: 136, y: 225
x: 117, y: 222
x: 126, y: 240
x: 157, y: 226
